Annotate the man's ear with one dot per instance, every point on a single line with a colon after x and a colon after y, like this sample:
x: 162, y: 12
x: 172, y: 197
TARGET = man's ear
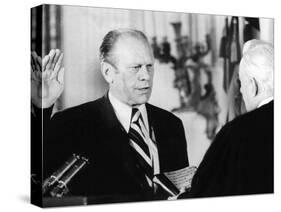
x: 107, y: 71
x: 254, y: 88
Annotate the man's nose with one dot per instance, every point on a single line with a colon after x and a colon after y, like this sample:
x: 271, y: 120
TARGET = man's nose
x: 144, y: 73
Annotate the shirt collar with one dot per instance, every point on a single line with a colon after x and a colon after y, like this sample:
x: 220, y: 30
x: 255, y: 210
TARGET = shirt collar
x: 124, y: 111
x: 265, y: 101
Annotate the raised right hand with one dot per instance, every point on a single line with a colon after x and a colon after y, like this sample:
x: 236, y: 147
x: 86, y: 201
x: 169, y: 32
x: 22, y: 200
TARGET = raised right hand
x: 47, y: 78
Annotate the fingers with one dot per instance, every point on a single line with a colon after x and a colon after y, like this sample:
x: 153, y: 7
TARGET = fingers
x: 39, y: 62
x: 33, y: 67
x: 35, y: 61
x: 57, y: 56
x: 48, y: 71
x: 51, y: 65
x: 58, y: 66
x: 60, y: 76
x: 45, y: 62
x: 51, y: 58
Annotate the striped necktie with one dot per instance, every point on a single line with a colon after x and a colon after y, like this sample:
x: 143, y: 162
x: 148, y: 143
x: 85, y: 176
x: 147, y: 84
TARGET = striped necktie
x: 146, y: 153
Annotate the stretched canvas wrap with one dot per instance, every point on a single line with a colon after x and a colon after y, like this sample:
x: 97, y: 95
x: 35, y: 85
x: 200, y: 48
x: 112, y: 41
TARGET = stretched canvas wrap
x: 134, y: 105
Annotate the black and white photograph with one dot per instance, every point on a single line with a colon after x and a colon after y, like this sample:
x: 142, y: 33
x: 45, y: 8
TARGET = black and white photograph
x: 135, y: 105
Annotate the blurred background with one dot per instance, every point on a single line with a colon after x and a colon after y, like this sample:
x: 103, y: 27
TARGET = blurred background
x: 196, y: 68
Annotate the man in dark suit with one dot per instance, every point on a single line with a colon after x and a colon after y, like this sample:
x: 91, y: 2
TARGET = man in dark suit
x: 240, y: 159
x: 128, y: 142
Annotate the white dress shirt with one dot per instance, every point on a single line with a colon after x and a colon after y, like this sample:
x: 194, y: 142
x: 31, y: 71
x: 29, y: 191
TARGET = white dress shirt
x: 265, y: 101
x: 124, y: 112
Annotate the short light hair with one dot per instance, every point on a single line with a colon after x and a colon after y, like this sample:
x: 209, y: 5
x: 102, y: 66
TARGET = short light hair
x: 258, y: 62
x: 111, y: 38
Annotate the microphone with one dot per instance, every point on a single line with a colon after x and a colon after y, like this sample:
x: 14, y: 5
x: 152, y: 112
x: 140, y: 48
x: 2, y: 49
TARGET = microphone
x: 56, y: 184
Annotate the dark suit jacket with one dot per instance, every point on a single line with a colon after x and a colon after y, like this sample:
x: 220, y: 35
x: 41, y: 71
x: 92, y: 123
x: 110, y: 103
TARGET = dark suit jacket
x: 93, y: 130
x: 240, y: 160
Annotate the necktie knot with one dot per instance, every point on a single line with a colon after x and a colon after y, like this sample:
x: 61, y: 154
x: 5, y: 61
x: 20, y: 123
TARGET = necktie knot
x: 135, y: 115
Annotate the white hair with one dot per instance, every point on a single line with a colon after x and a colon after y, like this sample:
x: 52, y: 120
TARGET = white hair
x: 258, y: 62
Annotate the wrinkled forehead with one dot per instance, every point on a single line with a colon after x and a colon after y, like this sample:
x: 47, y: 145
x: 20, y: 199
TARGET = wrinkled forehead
x: 130, y: 49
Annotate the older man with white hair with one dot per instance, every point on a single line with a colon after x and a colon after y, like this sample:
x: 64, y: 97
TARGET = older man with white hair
x: 240, y: 160
x: 256, y: 74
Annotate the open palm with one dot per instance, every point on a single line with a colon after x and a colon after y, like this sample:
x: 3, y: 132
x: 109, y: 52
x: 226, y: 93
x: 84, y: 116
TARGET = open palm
x: 47, y: 78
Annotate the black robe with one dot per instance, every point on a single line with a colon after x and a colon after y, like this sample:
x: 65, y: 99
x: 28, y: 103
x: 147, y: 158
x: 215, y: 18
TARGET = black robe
x: 240, y: 159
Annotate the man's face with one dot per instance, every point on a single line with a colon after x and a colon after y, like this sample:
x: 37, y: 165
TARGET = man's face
x: 133, y: 71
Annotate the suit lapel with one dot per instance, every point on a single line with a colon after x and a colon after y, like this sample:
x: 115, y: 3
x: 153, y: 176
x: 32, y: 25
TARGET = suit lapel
x: 155, y: 126
x: 115, y: 131
x: 152, y: 120
x: 119, y: 144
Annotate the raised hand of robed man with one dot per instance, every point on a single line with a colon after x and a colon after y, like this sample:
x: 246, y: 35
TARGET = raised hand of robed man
x: 47, y: 78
